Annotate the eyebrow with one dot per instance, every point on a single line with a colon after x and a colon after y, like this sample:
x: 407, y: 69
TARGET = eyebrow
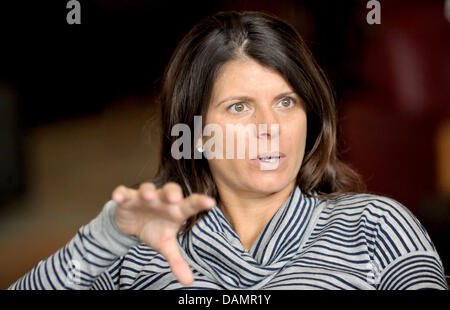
x: 245, y: 98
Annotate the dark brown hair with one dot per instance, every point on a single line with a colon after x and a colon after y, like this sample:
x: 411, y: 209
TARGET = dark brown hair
x: 188, y: 82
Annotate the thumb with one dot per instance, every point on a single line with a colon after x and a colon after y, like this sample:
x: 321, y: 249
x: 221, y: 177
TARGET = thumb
x: 177, y: 263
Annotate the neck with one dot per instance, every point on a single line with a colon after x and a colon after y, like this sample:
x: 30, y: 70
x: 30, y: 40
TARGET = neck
x: 249, y: 212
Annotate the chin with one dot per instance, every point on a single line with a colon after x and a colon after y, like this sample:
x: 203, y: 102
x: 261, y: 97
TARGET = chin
x: 268, y: 184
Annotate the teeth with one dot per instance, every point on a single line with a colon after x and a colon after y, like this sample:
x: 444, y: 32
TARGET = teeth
x: 270, y: 159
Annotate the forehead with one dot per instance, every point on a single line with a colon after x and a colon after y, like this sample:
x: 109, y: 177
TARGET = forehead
x: 248, y: 77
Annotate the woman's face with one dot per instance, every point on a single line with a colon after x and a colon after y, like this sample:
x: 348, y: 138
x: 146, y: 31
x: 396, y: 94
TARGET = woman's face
x: 248, y: 94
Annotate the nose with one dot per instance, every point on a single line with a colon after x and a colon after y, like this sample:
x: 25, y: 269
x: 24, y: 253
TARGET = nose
x: 267, y: 123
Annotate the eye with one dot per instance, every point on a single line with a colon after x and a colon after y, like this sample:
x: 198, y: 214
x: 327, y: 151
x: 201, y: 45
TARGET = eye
x: 238, y: 107
x: 287, y: 102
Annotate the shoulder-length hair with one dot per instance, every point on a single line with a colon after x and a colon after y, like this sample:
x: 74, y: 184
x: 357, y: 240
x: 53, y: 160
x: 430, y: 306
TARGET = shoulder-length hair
x: 189, y: 78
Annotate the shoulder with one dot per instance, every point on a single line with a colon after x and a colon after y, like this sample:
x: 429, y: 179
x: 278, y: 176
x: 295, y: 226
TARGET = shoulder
x: 401, y: 252
x: 363, y: 201
x: 376, y: 205
x: 388, y: 219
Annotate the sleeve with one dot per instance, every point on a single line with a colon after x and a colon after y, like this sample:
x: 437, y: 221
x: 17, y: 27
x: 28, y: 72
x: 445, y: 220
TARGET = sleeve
x: 110, y: 279
x: 403, y: 254
x: 79, y: 263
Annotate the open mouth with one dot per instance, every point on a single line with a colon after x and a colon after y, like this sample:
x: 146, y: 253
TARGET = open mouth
x: 269, y: 159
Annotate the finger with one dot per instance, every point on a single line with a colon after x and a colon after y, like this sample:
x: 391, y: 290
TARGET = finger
x: 171, y: 193
x: 178, y: 265
x: 196, y: 203
x: 122, y: 194
x: 148, y: 192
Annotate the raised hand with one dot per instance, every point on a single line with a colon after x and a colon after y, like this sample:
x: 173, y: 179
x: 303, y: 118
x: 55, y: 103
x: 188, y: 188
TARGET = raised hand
x: 155, y: 217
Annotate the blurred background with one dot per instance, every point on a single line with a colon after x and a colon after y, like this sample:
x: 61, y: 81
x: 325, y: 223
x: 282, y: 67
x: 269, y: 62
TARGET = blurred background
x: 77, y: 111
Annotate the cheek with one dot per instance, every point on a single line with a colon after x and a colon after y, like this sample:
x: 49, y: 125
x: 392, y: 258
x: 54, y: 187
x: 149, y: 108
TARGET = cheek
x: 294, y: 130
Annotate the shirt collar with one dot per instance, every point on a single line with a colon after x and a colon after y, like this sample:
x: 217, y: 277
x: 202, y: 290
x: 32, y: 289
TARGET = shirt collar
x: 214, y: 248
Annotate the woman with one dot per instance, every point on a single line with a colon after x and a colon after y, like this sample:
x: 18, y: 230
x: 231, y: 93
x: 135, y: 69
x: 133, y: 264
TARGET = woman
x: 232, y: 223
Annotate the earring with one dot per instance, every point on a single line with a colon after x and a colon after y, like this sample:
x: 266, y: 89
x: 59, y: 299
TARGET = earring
x: 200, y: 149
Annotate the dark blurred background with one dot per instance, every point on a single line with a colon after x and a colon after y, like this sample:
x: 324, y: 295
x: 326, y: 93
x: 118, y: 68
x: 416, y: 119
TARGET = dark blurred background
x: 77, y: 106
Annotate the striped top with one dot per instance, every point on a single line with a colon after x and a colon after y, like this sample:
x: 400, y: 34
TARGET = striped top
x: 358, y: 241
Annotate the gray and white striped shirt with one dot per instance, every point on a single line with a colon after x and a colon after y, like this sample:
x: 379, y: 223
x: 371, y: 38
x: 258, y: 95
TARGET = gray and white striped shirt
x: 358, y: 241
